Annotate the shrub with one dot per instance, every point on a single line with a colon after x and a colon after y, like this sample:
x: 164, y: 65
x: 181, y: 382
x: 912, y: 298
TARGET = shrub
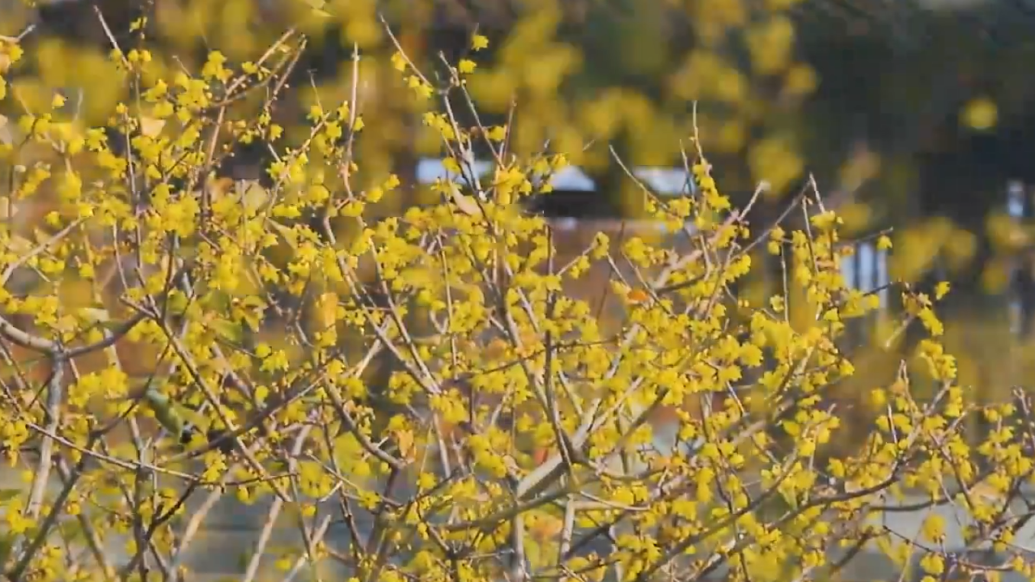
x: 172, y: 337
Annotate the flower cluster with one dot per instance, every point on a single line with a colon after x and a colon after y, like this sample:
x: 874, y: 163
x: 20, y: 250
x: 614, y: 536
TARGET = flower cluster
x: 428, y: 379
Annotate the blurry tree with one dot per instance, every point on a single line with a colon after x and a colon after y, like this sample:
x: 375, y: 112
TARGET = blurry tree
x: 940, y: 93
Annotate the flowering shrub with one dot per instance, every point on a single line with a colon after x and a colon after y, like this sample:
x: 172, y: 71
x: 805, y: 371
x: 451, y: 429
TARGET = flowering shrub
x: 170, y: 336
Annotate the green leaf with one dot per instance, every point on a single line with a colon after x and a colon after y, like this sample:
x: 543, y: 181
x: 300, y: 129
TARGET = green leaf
x: 72, y: 531
x: 287, y: 233
x: 253, y: 195
x: 228, y: 330
x: 193, y: 417
x: 8, y: 494
x: 177, y: 302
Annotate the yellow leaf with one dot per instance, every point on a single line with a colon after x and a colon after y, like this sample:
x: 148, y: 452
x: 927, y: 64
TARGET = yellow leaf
x: 399, y: 61
x: 451, y: 165
x: 229, y: 330
x: 327, y: 309
x: 252, y: 194
x: 406, y: 445
x: 420, y: 276
x: 497, y: 133
x: 286, y: 233
x: 95, y: 315
x: 151, y: 126
x: 466, y: 204
x: 5, y: 202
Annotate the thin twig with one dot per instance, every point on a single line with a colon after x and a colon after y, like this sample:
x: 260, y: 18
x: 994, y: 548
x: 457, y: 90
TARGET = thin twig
x: 56, y: 509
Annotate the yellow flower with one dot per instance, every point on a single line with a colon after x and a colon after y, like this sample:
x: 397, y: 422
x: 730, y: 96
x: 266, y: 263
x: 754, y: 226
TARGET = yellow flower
x: 932, y: 564
x: 980, y: 114
x: 451, y: 165
x: 934, y: 528
x: 422, y: 89
x: 263, y: 350
x: 497, y: 133
x: 399, y: 61
x: 800, y: 80
x: 479, y: 42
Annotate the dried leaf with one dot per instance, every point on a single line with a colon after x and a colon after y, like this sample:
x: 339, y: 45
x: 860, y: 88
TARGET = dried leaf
x: 638, y: 295
x: 19, y: 244
x: 42, y: 237
x: 327, y: 310
x: 407, y: 447
x: 94, y: 315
